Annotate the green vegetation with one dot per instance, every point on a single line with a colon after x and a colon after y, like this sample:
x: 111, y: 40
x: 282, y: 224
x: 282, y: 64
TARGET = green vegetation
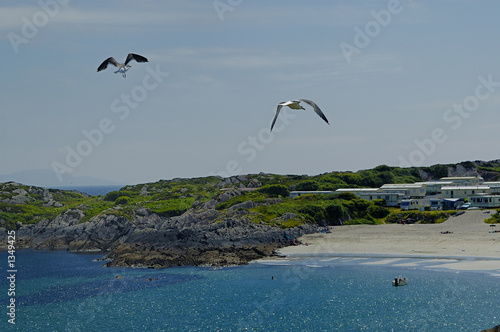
x: 270, y: 198
x: 26, y: 213
x: 437, y: 171
x: 329, y: 209
x: 423, y: 217
x: 494, y: 219
x: 275, y: 190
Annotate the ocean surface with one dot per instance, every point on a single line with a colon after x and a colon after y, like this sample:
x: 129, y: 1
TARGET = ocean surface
x: 62, y: 291
x: 92, y: 190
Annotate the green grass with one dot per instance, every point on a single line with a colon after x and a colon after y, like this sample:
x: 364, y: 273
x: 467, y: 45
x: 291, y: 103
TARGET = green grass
x: 422, y: 217
x: 169, y: 198
x: 494, y: 219
x: 26, y: 213
x: 170, y: 207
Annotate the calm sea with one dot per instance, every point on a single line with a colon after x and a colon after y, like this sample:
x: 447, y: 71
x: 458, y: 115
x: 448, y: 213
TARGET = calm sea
x: 61, y: 291
x: 92, y: 190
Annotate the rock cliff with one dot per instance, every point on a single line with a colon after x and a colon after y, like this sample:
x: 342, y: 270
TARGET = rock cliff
x: 493, y: 329
x: 200, y: 236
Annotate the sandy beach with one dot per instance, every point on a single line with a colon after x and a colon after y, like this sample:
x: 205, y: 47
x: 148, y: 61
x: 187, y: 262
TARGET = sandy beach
x: 470, y: 244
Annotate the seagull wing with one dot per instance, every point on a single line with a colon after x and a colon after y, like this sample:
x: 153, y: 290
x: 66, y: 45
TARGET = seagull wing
x: 136, y: 57
x: 104, y: 65
x: 276, y: 116
x: 315, y: 107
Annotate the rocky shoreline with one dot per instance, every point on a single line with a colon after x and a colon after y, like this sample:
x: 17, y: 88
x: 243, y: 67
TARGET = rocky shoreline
x: 202, y: 236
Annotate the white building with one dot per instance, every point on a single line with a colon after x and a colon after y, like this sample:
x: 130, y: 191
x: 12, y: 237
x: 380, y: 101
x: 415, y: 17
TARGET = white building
x: 434, y: 187
x: 464, y: 191
x: 485, y: 201
x: 357, y: 191
x: 416, y: 190
x: 495, y: 186
x: 391, y: 199
x: 464, y: 180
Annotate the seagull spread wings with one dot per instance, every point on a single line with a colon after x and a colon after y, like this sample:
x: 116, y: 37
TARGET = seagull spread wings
x: 136, y: 57
x: 130, y: 57
x: 295, y: 104
x: 104, y: 65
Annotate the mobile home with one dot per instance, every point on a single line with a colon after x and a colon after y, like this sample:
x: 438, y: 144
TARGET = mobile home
x: 416, y: 190
x: 485, y: 201
x: 464, y: 180
x: 358, y: 191
x: 436, y: 204
x: 391, y: 199
x: 494, y: 185
x: 409, y: 204
x: 464, y: 191
x: 452, y: 203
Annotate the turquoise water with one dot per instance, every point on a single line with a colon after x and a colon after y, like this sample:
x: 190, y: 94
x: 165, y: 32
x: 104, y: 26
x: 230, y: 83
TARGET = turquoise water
x: 61, y: 291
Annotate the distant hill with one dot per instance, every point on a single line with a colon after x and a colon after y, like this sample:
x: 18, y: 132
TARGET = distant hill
x: 47, y: 178
x: 488, y: 170
x: 376, y: 177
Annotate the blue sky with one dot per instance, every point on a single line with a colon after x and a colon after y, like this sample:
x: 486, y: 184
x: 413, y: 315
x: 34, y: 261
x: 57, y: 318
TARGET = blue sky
x: 401, y: 82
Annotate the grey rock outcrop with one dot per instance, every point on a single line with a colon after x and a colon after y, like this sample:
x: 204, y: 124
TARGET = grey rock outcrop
x: 493, y: 329
x: 202, y: 236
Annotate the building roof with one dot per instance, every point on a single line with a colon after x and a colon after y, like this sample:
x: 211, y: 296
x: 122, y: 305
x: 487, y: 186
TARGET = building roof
x: 381, y: 193
x: 357, y: 189
x: 310, y: 192
x: 401, y: 186
x: 452, y: 199
x: 433, y: 183
x: 480, y: 187
x: 460, y: 178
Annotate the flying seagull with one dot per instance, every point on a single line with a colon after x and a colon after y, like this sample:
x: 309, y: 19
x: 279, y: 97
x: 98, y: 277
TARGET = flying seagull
x: 295, y: 104
x: 122, y: 67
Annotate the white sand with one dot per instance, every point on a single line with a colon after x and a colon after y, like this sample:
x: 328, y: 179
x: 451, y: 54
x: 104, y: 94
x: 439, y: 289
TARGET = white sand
x: 470, y: 246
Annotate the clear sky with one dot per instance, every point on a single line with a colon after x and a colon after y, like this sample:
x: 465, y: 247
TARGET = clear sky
x: 401, y: 82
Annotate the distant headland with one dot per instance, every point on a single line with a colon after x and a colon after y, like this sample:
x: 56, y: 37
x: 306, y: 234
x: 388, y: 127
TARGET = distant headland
x: 210, y: 220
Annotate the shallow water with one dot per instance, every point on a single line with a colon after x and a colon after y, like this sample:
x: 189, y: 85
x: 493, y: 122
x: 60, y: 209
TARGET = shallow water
x: 61, y: 291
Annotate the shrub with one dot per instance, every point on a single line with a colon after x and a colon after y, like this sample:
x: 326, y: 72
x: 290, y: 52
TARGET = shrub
x: 495, y: 218
x: 317, y: 213
x: 123, y: 200
x: 378, y: 211
x: 275, y: 190
x: 113, y: 195
x: 347, y: 196
x: 335, y: 213
x: 379, y: 202
x: 308, y: 185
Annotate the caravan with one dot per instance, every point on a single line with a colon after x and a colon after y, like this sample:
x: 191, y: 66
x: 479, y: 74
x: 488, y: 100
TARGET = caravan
x: 436, y: 204
x: 409, y: 204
